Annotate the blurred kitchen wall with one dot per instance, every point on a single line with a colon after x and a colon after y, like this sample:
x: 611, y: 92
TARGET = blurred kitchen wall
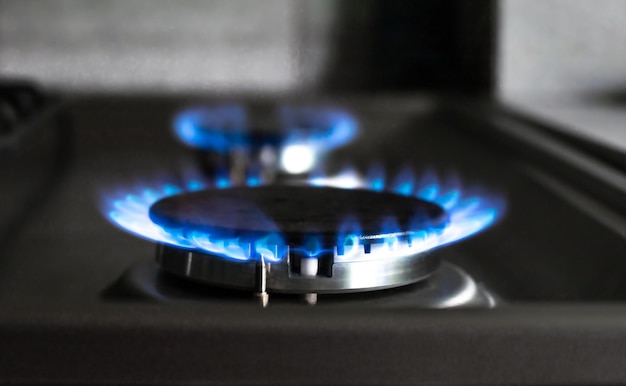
x: 544, y: 48
x: 248, y: 45
x: 565, y: 61
x: 555, y: 49
x: 163, y: 45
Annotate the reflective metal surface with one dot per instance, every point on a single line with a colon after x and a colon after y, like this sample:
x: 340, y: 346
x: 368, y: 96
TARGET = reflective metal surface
x: 347, y: 276
x: 448, y: 287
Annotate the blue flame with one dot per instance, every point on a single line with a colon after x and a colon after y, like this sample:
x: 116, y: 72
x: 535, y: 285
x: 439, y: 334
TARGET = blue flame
x: 130, y: 211
x: 220, y: 128
x: 404, y: 182
x: 469, y: 213
x: 318, y: 128
x: 222, y: 179
x: 304, y: 135
x: 376, y: 178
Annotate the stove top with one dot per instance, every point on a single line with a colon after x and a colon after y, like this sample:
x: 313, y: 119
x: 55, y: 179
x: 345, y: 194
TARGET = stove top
x: 376, y: 233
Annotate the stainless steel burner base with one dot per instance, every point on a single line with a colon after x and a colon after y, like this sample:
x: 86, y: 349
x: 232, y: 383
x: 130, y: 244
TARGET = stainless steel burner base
x: 357, y: 275
x: 448, y: 287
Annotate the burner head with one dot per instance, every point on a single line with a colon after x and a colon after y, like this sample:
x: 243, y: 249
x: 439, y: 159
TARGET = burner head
x: 297, y: 239
x: 299, y: 214
x: 280, y: 141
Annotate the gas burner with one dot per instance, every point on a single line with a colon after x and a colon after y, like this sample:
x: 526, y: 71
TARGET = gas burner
x: 292, y: 140
x: 340, y: 234
x: 297, y: 240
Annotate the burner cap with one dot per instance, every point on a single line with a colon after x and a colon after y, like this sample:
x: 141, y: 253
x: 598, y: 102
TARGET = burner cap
x: 297, y: 212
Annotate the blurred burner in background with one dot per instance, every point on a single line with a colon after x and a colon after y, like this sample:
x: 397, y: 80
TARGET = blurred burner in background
x: 242, y: 144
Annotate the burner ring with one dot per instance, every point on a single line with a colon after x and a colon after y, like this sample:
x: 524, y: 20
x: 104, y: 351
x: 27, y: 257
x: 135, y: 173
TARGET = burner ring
x: 379, y: 256
x: 356, y: 276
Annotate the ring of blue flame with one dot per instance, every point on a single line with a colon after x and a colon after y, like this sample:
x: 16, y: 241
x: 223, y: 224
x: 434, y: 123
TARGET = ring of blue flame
x: 469, y: 210
x: 225, y: 128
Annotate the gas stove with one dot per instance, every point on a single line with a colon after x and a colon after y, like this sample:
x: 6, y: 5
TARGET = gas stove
x: 287, y: 231
x: 345, y: 240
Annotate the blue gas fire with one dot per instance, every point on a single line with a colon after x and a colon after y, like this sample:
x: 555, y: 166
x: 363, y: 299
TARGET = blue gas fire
x: 220, y: 129
x: 469, y: 210
x: 302, y: 136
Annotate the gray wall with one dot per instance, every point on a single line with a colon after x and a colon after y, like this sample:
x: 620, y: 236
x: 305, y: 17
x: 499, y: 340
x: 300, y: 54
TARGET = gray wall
x: 562, y: 48
x: 163, y: 45
x: 547, y: 47
x: 565, y: 61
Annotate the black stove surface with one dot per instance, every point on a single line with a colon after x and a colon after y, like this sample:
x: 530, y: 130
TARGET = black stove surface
x: 545, y: 259
x: 544, y: 249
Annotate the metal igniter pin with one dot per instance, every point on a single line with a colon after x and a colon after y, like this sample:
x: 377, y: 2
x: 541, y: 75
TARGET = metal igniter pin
x: 261, y: 283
